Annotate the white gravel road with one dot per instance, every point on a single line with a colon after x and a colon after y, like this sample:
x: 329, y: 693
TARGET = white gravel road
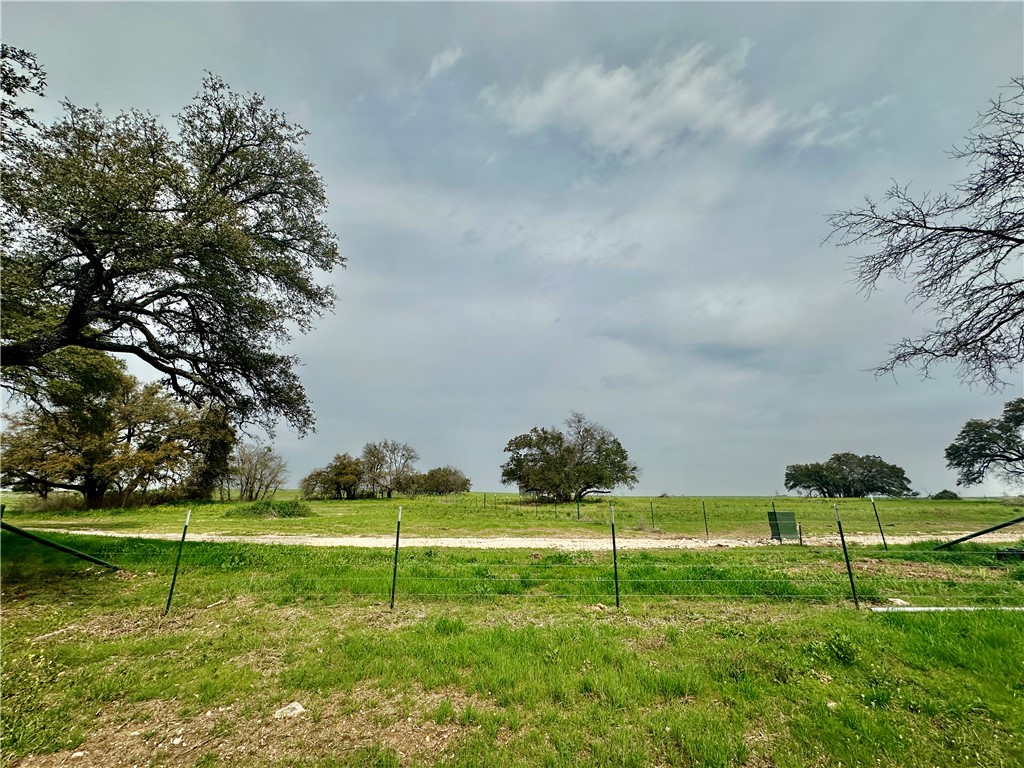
x: 574, y: 544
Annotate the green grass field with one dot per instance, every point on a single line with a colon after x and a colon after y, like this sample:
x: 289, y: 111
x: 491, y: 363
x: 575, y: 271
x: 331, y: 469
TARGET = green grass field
x: 477, y: 514
x: 751, y: 656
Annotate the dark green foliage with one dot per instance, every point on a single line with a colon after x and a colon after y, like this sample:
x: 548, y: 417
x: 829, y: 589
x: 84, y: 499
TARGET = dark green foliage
x: 945, y: 495
x: 442, y: 481
x: 269, y: 508
x: 196, y: 250
x: 338, y: 480
x: 990, y: 445
x: 211, y: 446
x: 568, y: 466
x: 848, y: 475
x: 20, y: 74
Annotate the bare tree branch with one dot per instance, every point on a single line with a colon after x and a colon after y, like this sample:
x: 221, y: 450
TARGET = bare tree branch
x: 960, y: 253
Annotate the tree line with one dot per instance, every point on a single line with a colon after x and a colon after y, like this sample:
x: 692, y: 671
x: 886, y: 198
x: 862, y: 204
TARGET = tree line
x: 383, y: 469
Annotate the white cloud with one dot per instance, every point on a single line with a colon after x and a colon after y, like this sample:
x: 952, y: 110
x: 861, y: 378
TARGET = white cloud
x: 823, y: 127
x: 446, y: 59
x: 640, y: 112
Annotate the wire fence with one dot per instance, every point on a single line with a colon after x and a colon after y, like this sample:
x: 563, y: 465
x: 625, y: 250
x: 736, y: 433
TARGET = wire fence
x: 620, y: 572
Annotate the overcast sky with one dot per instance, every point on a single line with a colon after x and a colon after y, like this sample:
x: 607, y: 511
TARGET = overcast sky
x: 615, y: 208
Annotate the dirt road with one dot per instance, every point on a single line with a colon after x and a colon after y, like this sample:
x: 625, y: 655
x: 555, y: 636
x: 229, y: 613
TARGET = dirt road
x: 573, y: 544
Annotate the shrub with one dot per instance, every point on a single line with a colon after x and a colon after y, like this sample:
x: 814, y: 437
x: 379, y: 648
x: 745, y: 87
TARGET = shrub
x: 945, y: 496
x: 268, y: 508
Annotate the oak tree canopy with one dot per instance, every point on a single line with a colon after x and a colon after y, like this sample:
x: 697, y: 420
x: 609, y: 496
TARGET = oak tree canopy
x: 568, y: 465
x: 197, y: 250
x: 990, y: 446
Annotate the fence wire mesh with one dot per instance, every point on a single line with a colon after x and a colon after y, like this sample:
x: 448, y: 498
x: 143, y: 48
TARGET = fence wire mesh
x: 972, y: 576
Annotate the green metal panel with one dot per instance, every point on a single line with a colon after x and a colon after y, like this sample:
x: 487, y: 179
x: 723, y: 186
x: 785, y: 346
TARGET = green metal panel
x: 783, y: 525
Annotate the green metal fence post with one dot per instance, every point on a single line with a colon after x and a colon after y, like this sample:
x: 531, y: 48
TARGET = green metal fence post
x: 846, y: 555
x: 615, y: 557
x: 879, y: 521
x: 394, y: 570
x: 177, y: 562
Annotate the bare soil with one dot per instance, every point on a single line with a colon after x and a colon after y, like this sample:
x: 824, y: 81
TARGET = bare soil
x: 570, y: 544
x: 155, y: 732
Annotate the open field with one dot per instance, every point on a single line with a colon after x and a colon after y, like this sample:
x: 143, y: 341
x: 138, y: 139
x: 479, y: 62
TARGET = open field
x: 491, y: 515
x: 726, y: 657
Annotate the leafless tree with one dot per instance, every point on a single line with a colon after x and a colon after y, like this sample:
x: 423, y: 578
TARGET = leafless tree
x: 256, y: 472
x: 960, y: 252
x: 388, y: 466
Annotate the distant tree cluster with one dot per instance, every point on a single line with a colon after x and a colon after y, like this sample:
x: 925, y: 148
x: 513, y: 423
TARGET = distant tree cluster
x: 383, y: 469
x: 568, y: 465
x: 442, y: 481
x: 847, y: 475
x: 341, y: 479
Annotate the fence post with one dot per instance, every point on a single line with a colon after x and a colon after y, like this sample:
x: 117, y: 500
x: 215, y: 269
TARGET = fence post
x: 177, y: 562
x: 846, y: 556
x: 879, y: 521
x: 394, y: 570
x: 707, y: 535
x: 615, y: 556
x: 652, y: 512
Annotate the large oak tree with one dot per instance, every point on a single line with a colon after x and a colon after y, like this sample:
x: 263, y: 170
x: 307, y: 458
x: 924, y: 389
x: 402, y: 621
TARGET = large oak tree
x: 197, y: 250
x: 568, y: 465
x: 847, y: 475
x: 994, y: 446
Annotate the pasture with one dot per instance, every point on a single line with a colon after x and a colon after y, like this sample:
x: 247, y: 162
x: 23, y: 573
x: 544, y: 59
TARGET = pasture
x: 743, y: 656
x: 490, y: 514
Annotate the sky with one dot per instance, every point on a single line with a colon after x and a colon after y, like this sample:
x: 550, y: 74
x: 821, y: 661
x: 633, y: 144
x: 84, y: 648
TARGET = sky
x: 612, y: 208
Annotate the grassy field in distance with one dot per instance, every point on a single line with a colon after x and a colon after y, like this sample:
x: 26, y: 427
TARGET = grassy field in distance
x: 478, y: 514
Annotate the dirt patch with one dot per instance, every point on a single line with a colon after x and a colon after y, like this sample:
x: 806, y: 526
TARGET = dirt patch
x: 758, y: 742
x: 416, y: 724
x: 906, y: 569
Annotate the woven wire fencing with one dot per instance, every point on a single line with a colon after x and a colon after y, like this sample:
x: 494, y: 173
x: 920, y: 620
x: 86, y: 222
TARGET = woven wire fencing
x: 973, y: 576
x: 630, y: 574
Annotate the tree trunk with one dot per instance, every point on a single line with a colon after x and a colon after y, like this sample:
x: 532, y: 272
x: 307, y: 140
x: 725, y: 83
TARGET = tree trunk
x: 93, y: 492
